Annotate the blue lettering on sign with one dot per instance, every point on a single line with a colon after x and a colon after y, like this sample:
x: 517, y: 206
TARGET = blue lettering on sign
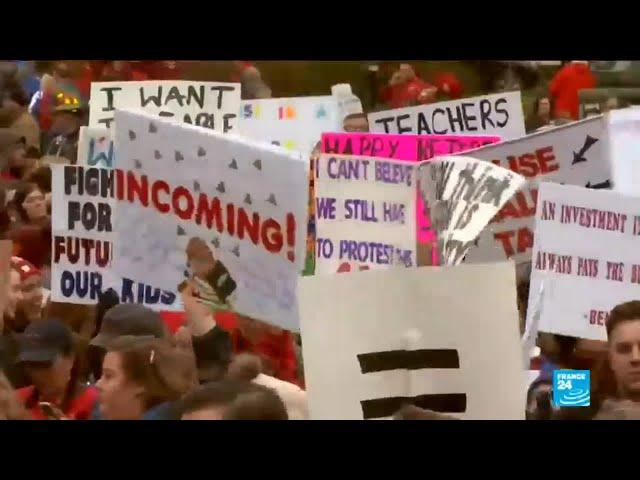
x: 102, y: 156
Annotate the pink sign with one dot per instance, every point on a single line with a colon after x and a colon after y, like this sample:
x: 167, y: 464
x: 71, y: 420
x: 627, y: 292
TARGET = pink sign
x: 414, y: 148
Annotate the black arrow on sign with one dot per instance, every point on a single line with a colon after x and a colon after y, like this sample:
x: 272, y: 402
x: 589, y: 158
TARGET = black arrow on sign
x: 604, y: 185
x: 411, y: 360
x: 588, y: 143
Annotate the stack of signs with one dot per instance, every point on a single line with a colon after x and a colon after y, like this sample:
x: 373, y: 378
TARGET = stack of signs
x: 624, y: 130
x: 95, y: 147
x: 412, y: 336
x: 499, y: 114
x: 575, y: 154
x: 207, y: 104
x: 247, y: 218
x: 293, y: 123
x: 83, y: 207
x: 462, y: 194
x: 413, y: 148
x: 364, y: 213
x: 585, y: 255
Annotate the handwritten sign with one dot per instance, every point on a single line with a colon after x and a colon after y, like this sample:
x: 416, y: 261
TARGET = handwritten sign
x: 364, y: 213
x: 95, y: 147
x: 585, y: 254
x: 574, y: 154
x: 247, y: 216
x: 498, y: 114
x: 212, y: 105
x: 294, y: 123
x: 404, y: 147
x: 462, y: 194
x: 375, y: 340
x: 83, y: 212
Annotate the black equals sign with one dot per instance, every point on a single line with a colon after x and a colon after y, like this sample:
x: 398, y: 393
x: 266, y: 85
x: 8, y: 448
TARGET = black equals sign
x: 411, y: 360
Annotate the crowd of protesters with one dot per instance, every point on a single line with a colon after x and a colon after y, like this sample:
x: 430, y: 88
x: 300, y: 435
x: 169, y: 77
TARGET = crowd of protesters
x: 124, y: 361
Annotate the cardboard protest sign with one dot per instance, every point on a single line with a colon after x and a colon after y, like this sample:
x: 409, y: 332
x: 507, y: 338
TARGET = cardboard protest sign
x: 624, y: 130
x: 574, y: 154
x: 247, y: 217
x: 95, y: 147
x: 404, y: 147
x: 294, y: 123
x: 369, y: 347
x: 499, y: 114
x: 84, y: 239
x: 586, y: 254
x: 461, y: 195
x: 364, y: 213
x: 212, y: 105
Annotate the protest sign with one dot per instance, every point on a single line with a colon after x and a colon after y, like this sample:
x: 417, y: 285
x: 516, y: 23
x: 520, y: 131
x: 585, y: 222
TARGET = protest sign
x: 462, y: 194
x: 404, y: 147
x: 83, y: 212
x: 586, y: 254
x: 499, y: 114
x: 364, y: 213
x: 95, y: 147
x: 624, y: 130
x: 414, y: 336
x: 246, y: 218
x: 294, y: 123
x: 574, y: 154
x: 212, y: 105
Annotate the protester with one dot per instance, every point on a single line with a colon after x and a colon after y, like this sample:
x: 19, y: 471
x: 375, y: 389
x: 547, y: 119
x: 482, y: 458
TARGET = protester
x: 13, y: 158
x: 541, y: 116
x: 10, y: 406
x: 47, y: 352
x: 566, y: 84
x: 356, y: 122
x: 61, y: 143
x: 15, y: 112
x: 142, y: 379
x: 623, y: 333
x: 42, y: 102
x: 32, y: 300
x: 405, y: 89
x: 232, y: 400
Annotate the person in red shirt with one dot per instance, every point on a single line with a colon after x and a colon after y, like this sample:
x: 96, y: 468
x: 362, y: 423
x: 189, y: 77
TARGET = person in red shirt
x: 566, y: 84
x: 406, y: 89
x: 47, y: 353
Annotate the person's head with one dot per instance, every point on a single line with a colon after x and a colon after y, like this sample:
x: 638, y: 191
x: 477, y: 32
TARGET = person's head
x: 61, y: 72
x: 14, y: 296
x: 542, y: 107
x: 47, y: 354
x: 68, y: 114
x: 14, y: 102
x: 139, y: 374
x: 232, y: 400
x: 48, y: 84
x: 356, y: 122
x: 29, y: 303
x: 10, y: 406
x: 623, y: 333
x: 30, y: 203
x: 129, y: 320
x: 13, y: 156
x: 200, y: 258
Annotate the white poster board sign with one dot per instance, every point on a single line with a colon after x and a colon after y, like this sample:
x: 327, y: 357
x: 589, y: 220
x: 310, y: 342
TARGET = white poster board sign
x: 84, y: 239
x: 624, y: 131
x: 365, y: 211
x: 586, y: 255
x: 497, y: 114
x: 212, y: 105
x: 461, y: 195
x: 248, y: 214
x: 95, y: 147
x: 294, y: 123
x: 574, y: 154
x: 374, y: 340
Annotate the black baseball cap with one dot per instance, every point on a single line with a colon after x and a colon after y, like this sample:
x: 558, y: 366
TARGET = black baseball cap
x: 129, y: 319
x: 44, y: 340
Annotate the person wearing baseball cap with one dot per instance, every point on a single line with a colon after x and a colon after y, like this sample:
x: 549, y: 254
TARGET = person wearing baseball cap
x: 32, y: 299
x: 69, y: 112
x: 129, y: 319
x: 47, y: 352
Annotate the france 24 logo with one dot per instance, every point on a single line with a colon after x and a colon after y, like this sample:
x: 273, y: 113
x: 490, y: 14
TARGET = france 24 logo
x: 571, y: 388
